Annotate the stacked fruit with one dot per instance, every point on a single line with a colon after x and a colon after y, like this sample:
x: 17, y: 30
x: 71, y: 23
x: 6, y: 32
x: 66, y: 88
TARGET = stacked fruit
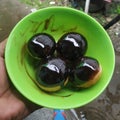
x: 65, y: 62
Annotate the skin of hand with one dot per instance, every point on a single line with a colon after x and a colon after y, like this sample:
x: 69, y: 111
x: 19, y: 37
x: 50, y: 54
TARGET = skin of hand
x: 13, y: 106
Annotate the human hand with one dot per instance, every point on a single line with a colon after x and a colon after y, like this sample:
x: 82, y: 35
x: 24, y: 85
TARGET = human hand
x: 13, y: 106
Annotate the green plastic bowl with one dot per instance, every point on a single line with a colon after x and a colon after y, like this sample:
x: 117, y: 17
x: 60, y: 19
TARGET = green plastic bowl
x: 57, y: 21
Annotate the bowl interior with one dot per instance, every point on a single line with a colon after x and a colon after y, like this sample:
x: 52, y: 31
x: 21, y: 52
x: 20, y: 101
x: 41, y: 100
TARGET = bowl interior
x: 57, y: 21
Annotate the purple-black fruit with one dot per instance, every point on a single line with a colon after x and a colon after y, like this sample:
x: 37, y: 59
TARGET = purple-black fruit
x: 86, y: 73
x: 41, y: 45
x: 72, y: 46
x: 52, y: 76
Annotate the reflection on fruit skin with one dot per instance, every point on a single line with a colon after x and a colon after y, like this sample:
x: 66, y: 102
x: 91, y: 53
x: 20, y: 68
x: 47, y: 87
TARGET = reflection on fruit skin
x: 52, y: 76
x: 72, y: 46
x: 41, y: 45
x: 86, y: 73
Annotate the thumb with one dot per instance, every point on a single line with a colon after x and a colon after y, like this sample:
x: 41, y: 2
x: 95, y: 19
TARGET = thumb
x: 2, y: 47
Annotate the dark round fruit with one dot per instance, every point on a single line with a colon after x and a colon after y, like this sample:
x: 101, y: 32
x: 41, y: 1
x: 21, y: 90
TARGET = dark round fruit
x: 72, y: 46
x: 52, y: 76
x: 86, y: 73
x: 41, y: 45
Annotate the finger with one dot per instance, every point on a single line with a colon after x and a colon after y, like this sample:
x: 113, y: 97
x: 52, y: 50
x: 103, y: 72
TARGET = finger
x: 4, y: 84
x: 29, y: 105
x: 2, y: 47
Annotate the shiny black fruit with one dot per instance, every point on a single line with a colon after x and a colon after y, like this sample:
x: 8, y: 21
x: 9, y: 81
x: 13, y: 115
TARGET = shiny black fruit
x: 72, y: 46
x: 87, y: 73
x: 52, y: 76
x: 41, y: 45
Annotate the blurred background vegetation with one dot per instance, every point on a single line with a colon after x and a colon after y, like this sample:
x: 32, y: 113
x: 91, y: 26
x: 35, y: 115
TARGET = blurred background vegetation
x: 114, y: 5
x: 103, y: 16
